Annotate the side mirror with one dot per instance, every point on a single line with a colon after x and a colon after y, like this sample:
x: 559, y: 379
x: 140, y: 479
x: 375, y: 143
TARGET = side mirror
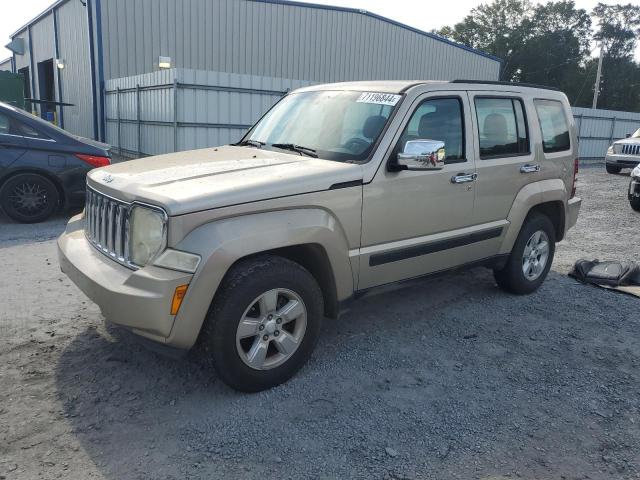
x: 421, y: 155
x: 628, y: 135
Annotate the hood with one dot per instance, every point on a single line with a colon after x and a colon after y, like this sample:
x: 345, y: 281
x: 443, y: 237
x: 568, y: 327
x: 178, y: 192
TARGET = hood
x: 185, y: 182
x: 625, y: 141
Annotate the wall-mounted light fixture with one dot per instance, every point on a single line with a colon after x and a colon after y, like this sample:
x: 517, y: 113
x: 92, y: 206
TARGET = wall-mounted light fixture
x: 164, y: 62
x: 60, y: 63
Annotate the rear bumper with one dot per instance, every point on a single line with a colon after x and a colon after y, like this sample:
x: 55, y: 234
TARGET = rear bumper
x: 622, y: 161
x: 138, y: 300
x: 573, y: 209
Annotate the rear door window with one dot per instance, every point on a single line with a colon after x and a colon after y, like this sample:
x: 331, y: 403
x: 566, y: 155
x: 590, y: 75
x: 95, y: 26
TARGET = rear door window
x: 502, y: 127
x: 553, y: 124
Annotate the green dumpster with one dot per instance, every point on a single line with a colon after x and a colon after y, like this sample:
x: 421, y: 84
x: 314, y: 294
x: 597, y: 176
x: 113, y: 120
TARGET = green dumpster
x: 12, y: 89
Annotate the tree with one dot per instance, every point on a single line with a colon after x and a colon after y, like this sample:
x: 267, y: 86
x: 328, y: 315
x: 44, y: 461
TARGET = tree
x: 550, y: 44
x: 618, y: 28
x: 556, y: 47
x: 495, y: 28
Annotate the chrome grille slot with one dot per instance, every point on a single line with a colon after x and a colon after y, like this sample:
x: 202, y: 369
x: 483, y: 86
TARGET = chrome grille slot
x: 631, y: 149
x: 107, y: 226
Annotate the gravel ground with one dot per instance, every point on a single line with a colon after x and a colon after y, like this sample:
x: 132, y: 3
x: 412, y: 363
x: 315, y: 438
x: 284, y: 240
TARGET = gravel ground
x: 463, y: 382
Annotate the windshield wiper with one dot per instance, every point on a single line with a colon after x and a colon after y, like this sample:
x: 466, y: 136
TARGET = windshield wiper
x: 296, y: 148
x: 249, y: 143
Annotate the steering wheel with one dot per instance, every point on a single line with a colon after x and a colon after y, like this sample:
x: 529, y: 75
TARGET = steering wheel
x: 356, y: 144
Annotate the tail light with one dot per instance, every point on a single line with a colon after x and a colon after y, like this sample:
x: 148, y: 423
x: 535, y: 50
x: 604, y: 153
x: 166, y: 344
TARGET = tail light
x: 93, y: 160
x: 575, y: 178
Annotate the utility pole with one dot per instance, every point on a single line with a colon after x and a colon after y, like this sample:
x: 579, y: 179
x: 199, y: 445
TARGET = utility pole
x: 596, y: 89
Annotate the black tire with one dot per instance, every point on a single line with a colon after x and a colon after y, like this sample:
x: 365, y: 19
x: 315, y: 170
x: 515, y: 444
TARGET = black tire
x: 635, y: 203
x: 613, y: 170
x: 29, y: 198
x: 512, y: 278
x: 244, y: 283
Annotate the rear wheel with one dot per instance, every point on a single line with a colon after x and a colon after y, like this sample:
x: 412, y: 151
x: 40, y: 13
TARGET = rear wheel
x: 29, y: 198
x: 531, y: 257
x: 263, y: 324
x: 613, y: 169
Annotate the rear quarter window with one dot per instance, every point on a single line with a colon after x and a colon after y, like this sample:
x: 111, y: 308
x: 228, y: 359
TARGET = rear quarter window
x: 554, y: 126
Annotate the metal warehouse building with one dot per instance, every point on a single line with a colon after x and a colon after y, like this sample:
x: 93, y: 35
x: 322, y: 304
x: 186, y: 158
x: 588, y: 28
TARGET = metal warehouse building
x: 159, y: 75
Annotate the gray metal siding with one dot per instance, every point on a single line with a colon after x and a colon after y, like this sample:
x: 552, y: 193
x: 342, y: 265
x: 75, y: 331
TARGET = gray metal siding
x: 5, y: 65
x: 73, y: 40
x: 205, y: 117
x: 276, y: 40
x: 73, y: 48
x: 597, y: 129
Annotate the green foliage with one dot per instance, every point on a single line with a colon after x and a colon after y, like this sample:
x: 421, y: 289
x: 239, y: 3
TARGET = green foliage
x: 550, y: 44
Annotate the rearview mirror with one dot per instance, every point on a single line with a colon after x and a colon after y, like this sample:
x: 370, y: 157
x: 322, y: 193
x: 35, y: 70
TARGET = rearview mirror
x: 421, y: 155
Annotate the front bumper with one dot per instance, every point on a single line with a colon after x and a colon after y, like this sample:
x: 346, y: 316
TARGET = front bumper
x: 573, y: 209
x: 139, y: 300
x: 622, y: 161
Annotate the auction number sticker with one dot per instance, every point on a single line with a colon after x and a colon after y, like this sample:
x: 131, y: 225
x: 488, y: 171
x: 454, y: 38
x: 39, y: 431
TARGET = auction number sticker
x: 379, y: 98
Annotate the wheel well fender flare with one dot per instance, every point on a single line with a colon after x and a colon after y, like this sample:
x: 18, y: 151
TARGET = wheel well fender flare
x: 222, y: 243
x: 546, y: 196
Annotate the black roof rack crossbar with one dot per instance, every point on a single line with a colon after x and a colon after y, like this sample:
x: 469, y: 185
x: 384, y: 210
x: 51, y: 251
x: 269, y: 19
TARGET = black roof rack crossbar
x: 514, y: 84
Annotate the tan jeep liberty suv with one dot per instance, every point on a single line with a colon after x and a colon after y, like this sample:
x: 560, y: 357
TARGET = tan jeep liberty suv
x: 242, y: 250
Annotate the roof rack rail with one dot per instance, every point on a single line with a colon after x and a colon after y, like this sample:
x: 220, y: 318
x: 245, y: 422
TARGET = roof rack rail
x: 515, y: 84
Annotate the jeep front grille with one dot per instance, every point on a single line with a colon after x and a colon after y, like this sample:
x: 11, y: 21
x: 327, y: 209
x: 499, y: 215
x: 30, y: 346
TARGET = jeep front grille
x: 107, y: 226
x: 631, y: 149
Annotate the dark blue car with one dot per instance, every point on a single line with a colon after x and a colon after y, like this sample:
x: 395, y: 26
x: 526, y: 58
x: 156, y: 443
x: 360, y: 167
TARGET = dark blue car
x: 42, y: 167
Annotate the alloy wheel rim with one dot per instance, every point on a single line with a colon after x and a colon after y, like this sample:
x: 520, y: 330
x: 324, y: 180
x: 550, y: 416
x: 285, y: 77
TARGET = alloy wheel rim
x: 535, y: 256
x: 271, y: 329
x: 29, y: 198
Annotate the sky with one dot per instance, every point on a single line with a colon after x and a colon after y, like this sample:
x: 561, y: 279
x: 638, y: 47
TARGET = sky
x: 421, y: 14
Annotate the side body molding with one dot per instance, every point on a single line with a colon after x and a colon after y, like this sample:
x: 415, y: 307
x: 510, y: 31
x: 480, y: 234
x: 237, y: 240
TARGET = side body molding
x: 528, y: 197
x: 223, y: 242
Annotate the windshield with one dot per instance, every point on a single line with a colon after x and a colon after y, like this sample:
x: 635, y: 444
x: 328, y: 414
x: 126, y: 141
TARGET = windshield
x: 637, y: 134
x: 334, y: 125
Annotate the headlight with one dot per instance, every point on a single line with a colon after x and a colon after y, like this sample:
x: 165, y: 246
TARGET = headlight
x: 147, y: 234
x: 610, y: 150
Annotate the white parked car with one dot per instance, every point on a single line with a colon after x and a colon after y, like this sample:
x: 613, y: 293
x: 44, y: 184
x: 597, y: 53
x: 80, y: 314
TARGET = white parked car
x: 624, y: 153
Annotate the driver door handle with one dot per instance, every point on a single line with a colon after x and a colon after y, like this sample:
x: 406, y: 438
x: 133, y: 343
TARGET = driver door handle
x: 464, y: 177
x: 529, y: 168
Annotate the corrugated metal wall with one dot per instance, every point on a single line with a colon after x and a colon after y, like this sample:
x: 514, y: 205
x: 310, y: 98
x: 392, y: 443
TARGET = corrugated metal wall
x: 276, y: 40
x: 73, y: 41
x: 181, y: 109
x: 75, y: 78
x: 5, y: 65
x: 597, y: 129
x: 42, y: 48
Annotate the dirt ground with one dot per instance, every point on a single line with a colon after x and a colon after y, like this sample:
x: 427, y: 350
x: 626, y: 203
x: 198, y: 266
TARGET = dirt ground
x: 463, y: 382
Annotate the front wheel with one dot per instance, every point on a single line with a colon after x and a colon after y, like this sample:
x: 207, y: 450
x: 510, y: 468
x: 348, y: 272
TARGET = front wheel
x: 29, y: 198
x: 263, y: 324
x: 531, y: 257
x: 635, y: 203
x: 612, y: 169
